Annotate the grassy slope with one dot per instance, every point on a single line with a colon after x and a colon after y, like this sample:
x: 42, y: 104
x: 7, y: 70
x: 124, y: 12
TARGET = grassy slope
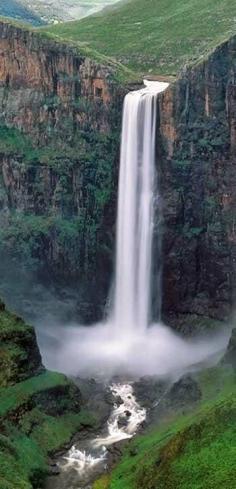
x: 191, y: 451
x: 38, y: 415
x: 155, y: 35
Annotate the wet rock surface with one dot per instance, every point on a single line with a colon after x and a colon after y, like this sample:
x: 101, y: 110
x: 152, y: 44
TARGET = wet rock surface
x: 230, y: 355
x: 162, y: 397
x: 184, y: 392
x: 97, y: 398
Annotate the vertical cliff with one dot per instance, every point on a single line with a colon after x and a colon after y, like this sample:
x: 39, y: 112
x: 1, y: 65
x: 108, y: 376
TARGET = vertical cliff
x: 198, y: 180
x: 59, y: 143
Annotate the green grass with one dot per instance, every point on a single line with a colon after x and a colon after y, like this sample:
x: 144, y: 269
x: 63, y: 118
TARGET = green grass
x: 23, y: 457
x: 30, y: 434
x: 192, y: 451
x: 25, y: 445
x: 102, y: 483
x: 154, y: 36
x: 39, y: 415
x: 14, y: 396
x: 54, y: 432
x: 19, y: 458
x: 17, y: 360
x: 10, y: 324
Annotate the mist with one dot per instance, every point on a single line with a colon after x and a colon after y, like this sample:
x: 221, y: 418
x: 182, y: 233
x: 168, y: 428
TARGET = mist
x: 98, y: 351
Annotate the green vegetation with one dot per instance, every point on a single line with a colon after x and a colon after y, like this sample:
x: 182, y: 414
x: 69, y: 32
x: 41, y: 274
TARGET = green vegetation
x: 24, y: 235
x: 193, y: 451
x: 17, y: 357
x: 102, y: 483
x: 155, y: 36
x: 13, y: 397
x: 24, y: 449
x: 38, y: 415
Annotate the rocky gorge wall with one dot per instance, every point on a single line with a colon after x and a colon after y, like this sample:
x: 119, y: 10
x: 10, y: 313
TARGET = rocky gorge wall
x: 197, y: 150
x: 59, y: 150
x: 60, y: 122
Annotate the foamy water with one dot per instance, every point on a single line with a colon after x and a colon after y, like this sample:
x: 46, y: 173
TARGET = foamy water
x: 129, y: 412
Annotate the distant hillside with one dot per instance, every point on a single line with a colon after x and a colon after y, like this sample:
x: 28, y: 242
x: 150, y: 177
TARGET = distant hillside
x: 14, y: 9
x: 156, y: 36
x: 64, y: 10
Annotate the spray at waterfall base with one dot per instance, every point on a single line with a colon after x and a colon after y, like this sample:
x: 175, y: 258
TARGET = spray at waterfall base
x: 127, y: 343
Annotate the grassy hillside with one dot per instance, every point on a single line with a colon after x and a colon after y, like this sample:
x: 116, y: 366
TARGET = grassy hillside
x: 39, y: 410
x: 189, y: 451
x: 155, y: 36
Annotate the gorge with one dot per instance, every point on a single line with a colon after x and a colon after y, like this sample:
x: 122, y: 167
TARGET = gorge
x: 129, y: 342
x: 119, y: 250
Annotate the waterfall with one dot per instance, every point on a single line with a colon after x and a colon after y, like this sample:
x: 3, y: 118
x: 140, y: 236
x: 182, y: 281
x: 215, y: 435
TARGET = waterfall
x: 136, y: 201
x: 131, y: 341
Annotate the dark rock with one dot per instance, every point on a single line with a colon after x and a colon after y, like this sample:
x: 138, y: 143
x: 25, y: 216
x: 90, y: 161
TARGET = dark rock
x: 122, y: 422
x: 58, y: 400
x: 149, y: 390
x: 133, y: 452
x: 230, y: 355
x: 54, y: 469
x: 184, y: 392
x: 196, y: 162
x: 97, y: 398
x: 128, y: 414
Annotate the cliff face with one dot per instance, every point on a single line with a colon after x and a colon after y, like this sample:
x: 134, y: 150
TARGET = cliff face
x: 41, y: 82
x: 198, y: 179
x: 61, y: 115
x: 58, y: 164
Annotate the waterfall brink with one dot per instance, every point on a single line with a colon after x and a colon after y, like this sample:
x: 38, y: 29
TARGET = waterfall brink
x: 135, y: 224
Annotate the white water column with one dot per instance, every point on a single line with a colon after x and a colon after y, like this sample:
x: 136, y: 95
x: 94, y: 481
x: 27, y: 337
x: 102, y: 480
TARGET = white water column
x: 135, y: 220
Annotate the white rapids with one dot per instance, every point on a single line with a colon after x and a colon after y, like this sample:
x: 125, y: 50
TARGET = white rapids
x: 124, y: 421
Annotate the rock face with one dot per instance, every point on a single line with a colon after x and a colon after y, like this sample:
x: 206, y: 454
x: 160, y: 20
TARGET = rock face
x: 61, y: 116
x: 197, y: 144
x: 230, y: 355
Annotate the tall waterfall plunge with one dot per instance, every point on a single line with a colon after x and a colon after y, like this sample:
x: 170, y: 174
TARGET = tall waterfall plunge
x: 137, y: 188
x: 124, y: 344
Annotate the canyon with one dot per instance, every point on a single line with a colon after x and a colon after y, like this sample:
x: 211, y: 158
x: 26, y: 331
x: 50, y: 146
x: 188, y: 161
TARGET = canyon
x: 61, y: 117
x: 99, y: 293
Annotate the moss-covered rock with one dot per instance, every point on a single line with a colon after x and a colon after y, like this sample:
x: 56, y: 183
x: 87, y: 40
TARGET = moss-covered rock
x: 19, y: 353
x: 230, y: 355
x: 39, y: 410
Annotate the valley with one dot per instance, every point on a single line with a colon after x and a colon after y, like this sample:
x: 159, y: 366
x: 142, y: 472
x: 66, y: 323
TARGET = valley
x: 117, y: 245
